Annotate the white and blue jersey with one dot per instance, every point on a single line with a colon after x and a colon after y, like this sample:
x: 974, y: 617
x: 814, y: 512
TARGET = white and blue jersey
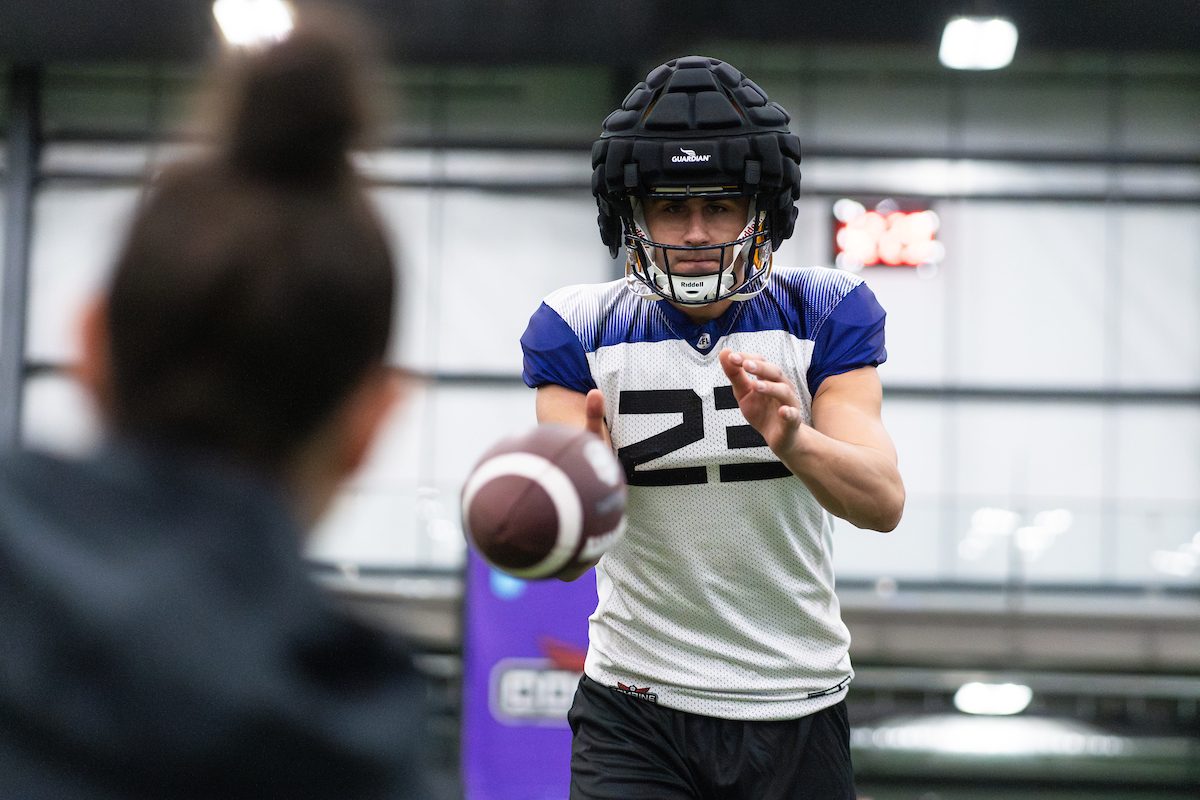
x: 719, y: 599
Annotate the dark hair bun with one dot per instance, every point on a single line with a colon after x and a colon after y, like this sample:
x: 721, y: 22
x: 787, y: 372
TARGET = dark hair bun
x: 297, y: 106
x: 255, y: 289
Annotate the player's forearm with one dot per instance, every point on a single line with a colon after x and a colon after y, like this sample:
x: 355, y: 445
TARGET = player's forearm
x: 568, y: 407
x: 561, y: 405
x: 855, y: 482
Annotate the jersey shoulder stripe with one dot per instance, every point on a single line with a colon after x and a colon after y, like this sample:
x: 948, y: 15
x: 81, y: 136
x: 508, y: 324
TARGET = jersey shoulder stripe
x: 799, y: 299
x: 604, y: 314
x: 796, y: 300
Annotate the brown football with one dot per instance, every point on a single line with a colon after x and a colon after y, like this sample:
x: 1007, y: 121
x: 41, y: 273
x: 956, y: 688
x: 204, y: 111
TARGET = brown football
x: 544, y: 500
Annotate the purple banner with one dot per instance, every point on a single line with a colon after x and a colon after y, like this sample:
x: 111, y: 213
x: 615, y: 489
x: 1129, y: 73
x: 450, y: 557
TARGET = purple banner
x: 523, y: 648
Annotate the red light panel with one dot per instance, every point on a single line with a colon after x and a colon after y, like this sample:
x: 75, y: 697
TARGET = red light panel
x: 885, y: 236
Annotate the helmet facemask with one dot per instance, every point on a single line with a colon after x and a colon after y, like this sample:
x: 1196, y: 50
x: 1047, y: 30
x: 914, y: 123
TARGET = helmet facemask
x: 745, y: 263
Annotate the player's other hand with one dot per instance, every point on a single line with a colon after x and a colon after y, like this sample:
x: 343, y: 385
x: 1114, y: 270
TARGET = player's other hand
x: 768, y: 400
x: 593, y: 409
x: 572, y: 572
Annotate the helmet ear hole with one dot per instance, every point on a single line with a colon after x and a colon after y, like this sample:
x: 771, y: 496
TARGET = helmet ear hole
x: 782, y: 223
x: 610, y: 231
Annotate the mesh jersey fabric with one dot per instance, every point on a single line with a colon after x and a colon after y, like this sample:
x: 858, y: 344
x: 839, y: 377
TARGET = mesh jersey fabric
x: 719, y: 600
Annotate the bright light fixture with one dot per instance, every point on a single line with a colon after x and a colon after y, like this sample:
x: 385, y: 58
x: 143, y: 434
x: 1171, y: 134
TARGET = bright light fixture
x: 252, y: 22
x: 996, y: 699
x: 978, y: 43
x: 991, y: 737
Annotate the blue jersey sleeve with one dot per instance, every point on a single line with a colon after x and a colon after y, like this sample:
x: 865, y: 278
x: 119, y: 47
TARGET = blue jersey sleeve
x: 553, y: 353
x: 850, y: 337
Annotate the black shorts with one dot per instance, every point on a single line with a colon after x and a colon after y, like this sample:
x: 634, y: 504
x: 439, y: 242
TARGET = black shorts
x: 628, y: 749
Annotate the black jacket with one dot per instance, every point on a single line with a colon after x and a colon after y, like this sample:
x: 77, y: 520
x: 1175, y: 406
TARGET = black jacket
x: 160, y: 637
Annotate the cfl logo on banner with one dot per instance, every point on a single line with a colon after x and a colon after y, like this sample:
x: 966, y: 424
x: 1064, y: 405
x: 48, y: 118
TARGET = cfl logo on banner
x: 531, y: 691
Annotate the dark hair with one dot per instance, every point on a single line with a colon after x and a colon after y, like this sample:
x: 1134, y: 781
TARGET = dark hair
x: 256, y: 287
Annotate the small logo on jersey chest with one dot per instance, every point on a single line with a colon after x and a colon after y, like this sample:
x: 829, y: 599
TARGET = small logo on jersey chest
x: 704, y: 342
x: 640, y: 694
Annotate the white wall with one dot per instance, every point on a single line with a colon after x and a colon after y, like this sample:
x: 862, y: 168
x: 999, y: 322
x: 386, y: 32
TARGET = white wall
x: 1052, y: 294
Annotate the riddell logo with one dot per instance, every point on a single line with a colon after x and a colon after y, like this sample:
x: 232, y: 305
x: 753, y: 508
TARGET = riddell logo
x: 640, y: 694
x: 690, y: 157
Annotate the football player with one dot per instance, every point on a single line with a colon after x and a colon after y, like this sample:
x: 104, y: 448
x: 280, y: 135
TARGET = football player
x: 744, y: 405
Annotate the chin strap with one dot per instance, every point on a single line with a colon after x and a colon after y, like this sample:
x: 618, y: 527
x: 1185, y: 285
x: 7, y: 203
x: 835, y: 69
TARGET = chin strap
x: 706, y: 288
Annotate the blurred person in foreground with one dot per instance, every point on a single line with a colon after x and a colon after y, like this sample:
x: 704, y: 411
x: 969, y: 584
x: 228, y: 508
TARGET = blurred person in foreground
x: 159, y: 632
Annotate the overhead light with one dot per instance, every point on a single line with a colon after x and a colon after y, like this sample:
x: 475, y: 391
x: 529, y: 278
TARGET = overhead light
x: 995, y: 699
x: 978, y: 43
x: 252, y: 22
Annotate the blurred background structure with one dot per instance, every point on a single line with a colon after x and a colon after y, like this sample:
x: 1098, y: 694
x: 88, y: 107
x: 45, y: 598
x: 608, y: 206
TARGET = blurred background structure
x: 1043, y: 379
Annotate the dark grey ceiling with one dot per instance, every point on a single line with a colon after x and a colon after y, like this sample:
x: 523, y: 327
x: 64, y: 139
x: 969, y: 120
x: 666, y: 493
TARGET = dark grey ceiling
x: 595, y: 31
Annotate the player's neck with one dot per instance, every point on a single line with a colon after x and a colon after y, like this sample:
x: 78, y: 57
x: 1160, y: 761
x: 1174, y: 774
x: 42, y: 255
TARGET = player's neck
x: 705, y: 313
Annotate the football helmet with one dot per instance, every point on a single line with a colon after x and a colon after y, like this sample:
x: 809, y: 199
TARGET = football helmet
x: 696, y: 127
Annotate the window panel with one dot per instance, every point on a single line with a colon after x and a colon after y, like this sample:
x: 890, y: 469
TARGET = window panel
x: 402, y: 510
x: 916, y: 428
x: 406, y: 215
x: 809, y: 243
x: 1160, y: 295
x: 916, y: 316
x: 498, y: 256
x: 59, y: 416
x: 1158, y: 453
x: 909, y: 552
x: 1148, y: 532
x: 76, y: 233
x: 1030, y: 297
x: 1028, y: 450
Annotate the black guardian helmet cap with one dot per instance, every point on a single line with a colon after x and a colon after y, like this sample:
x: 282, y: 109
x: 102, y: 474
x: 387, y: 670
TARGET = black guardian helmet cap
x: 696, y: 127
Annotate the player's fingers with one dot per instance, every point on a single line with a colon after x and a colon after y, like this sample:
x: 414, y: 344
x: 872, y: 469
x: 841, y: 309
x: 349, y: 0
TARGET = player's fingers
x: 730, y: 360
x: 594, y: 412
x: 791, y: 417
x: 781, y: 391
x: 731, y: 363
x: 739, y: 359
x: 763, y: 369
x: 734, y: 364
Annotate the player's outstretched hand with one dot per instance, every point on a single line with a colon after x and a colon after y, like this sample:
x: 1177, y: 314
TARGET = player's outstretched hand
x: 593, y: 409
x: 766, y: 397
